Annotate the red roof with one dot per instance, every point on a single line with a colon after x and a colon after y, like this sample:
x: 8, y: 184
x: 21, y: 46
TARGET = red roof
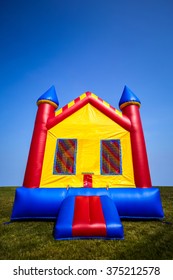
x: 95, y: 101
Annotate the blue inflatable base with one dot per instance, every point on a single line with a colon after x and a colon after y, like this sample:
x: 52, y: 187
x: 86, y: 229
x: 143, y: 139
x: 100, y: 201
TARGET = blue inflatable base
x: 44, y: 203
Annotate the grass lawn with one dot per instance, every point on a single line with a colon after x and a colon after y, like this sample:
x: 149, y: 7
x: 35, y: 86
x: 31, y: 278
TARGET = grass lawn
x: 144, y: 240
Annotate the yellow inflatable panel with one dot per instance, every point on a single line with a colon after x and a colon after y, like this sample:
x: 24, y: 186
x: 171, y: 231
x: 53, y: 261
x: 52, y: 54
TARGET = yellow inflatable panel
x: 89, y: 127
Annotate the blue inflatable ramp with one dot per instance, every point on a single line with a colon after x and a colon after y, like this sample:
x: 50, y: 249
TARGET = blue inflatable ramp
x: 82, y: 217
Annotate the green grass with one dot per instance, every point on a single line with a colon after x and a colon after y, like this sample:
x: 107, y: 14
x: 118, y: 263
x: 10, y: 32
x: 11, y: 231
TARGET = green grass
x: 26, y: 240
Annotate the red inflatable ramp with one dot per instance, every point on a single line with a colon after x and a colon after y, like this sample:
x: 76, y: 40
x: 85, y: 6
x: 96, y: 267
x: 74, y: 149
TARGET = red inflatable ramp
x: 88, y: 217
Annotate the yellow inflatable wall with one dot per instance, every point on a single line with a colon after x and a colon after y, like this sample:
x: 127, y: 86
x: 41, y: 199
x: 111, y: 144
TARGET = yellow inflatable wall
x: 89, y: 127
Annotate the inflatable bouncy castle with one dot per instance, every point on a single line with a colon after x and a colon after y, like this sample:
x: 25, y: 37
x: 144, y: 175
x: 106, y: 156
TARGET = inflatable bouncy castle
x: 87, y: 168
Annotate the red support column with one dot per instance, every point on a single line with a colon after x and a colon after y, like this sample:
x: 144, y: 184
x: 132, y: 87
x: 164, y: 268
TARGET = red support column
x: 139, y: 154
x: 36, y: 154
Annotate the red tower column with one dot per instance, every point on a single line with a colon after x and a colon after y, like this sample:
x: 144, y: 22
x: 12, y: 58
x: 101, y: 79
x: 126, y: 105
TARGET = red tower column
x: 130, y: 104
x: 139, y: 154
x: 47, y: 104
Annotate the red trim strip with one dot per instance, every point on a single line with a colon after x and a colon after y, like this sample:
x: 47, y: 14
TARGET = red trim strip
x: 109, y: 112
x: 98, y: 104
x: 66, y: 113
x: 88, y: 217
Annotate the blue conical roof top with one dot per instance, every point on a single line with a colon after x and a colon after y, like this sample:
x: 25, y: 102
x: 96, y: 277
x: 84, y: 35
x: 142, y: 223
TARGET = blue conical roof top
x: 49, y: 95
x: 128, y: 97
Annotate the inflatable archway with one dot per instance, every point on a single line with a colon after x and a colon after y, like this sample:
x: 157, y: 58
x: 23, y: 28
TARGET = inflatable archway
x: 87, y: 168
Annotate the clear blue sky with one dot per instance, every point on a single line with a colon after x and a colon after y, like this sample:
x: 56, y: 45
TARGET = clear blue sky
x: 85, y: 45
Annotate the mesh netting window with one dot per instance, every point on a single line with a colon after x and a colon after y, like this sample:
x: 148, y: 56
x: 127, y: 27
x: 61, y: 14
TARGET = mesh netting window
x: 65, y: 156
x: 110, y: 157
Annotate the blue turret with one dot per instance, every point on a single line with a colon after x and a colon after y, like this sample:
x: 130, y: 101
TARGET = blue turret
x: 128, y: 98
x: 49, y: 97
